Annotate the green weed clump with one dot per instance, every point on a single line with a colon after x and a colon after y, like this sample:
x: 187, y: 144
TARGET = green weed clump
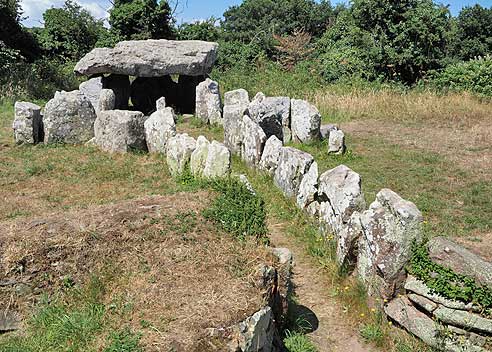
x: 237, y: 210
x: 445, y: 282
x: 298, y: 342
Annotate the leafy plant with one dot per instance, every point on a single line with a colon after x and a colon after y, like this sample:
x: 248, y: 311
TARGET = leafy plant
x: 446, y: 282
x: 298, y: 342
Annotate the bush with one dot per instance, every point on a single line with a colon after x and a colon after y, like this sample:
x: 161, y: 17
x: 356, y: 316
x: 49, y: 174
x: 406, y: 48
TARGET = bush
x: 474, y: 76
x: 237, y: 210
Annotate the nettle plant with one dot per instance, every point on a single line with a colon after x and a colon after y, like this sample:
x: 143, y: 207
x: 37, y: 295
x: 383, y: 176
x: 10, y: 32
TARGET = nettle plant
x: 445, y: 282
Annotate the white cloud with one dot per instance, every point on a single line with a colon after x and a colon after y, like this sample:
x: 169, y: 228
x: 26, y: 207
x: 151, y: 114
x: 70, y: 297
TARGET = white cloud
x: 34, y: 9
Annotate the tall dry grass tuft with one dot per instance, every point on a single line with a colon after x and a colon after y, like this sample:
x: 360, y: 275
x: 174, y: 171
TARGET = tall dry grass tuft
x: 413, y: 106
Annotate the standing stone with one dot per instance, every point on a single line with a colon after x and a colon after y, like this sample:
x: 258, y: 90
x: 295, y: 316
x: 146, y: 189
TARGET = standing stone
x: 120, y: 85
x: 305, y: 121
x: 325, y: 131
x: 120, y: 131
x: 69, y: 118
x: 199, y: 156
x: 159, y: 128
x: 208, y: 102
x: 273, y: 116
x: 179, y: 150
x: 336, y: 142
x: 271, y: 154
x: 347, y: 240
x: 92, y: 90
x: 107, y: 100
x: 293, y: 165
x: 308, y: 188
x: 27, y: 123
x: 253, y: 141
x: 340, y: 192
x: 160, y: 104
x: 390, y: 226
x: 235, y: 106
x: 256, y: 333
x: 218, y: 162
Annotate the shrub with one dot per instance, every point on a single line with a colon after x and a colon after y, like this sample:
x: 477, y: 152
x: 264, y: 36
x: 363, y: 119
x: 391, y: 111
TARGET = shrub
x: 474, y: 76
x: 237, y: 210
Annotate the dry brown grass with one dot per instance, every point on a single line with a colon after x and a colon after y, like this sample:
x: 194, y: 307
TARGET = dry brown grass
x: 157, y: 254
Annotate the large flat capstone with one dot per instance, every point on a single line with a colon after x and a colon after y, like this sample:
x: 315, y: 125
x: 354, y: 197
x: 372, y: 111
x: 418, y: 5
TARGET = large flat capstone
x: 151, y: 58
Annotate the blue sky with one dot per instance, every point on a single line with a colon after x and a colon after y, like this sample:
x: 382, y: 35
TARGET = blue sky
x: 191, y: 10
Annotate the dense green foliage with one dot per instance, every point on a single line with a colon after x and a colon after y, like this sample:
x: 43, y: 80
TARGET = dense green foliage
x: 473, y: 76
x: 446, y: 282
x: 141, y: 19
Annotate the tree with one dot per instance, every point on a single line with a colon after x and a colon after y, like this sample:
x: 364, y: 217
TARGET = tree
x: 14, y: 36
x: 259, y: 20
x: 141, y: 19
x: 69, y: 32
x: 473, y: 33
x: 200, y: 30
x: 401, y: 39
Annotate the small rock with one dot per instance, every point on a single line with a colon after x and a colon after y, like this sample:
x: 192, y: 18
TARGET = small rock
x: 336, y: 142
x: 27, y: 123
x: 218, y: 162
x: 422, y: 302
x: 92, y: 90
x: 308, y: 189
x: 256, y: 333
x: 326, y: 129
x: 160, y: 104
x: 107, y: 100
x: 9, y: 321
x: 199, y: 156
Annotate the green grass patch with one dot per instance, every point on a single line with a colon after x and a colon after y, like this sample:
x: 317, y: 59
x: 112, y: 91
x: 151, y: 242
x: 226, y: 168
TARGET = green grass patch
x: 298, y: 342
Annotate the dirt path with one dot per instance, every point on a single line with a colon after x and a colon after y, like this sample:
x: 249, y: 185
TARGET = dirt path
x: 312, y: 289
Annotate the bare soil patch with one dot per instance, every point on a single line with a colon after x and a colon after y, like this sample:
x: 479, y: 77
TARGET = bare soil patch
x: 179, y: 273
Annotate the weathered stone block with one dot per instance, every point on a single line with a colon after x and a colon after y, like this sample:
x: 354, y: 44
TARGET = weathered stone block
x: 253, y: 141
x: 293, y: 165
x: 28, y: 123
x: 208, y: 102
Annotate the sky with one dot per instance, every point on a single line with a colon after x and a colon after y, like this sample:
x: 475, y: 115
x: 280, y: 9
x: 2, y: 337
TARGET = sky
x: 189, y: 11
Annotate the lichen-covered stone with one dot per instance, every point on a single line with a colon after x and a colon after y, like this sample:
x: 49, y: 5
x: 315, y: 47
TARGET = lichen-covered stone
x: 308, y: 189
x: 27, y: 123
x: 208, y: 102
x: 199, y: 156
x: 273, y: 116
x: 305, y: 121
x: 390, y: 226
x: 92, y: 90
x: 336, y: 142
x: 463, y: 319
x: 293, y: 165
x: 347, y: 240
x: 69, y: 118
x: 340, y: 194
x: 107, y: 100
x: 253, y: 141
x: 179, y: 149
x: 271, y: 155
x: 120, y: 131
x: 235, y: 106
x: 159, y: 127
x: 256, y: 333
x: 218, y: 163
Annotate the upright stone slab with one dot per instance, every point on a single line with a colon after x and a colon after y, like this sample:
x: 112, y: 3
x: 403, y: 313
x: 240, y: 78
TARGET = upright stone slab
x: 336, y: 142
x: 208, y: 102
x: 199, y: 156
x: 107, y: 100
x: 340, y: 194
x: 120, y: 131
x: 390, y: 226
x: 273, y: 116
x: 293, y: 165
x: 235, y: 106
x: 179, y: 149
x: 253, y: 141
x: 69, y: 118
x: 308, y: 189
x: 305, y: 121
x: 218, y: 163
x: 271, y: 155
x: 28, y: 124
x: 159, y: 128
x: 92, y: 90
